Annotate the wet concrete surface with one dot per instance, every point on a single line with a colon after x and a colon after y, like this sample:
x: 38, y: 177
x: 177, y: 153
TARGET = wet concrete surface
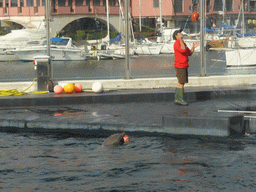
x: 134, y: 110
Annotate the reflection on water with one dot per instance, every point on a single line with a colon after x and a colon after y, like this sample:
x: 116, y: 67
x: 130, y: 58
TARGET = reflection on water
x: 50, y: 163
x: 142, y: 66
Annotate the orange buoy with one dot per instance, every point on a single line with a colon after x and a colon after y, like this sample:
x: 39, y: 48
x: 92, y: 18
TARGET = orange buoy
x: 57, y: 89
x: 194, y: 16
x: 69, y: 88
x: 78, y: 88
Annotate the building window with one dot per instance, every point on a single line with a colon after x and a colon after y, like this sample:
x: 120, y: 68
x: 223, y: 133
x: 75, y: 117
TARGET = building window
x: 88, y: 2
x: 61, y: 2
x: 195, y: 5
x: 156, y: 3
x: 208, y: 5
x: 178, y: 6
x: 96, y: 2
x: 112, y: 2
x: 218, y: 5
x: 14, y: 3
x: 1, y: 3
x: 252, y: 6
x: 38, y: 3
x: 229, y: 6
x: 70, y: 3
x: 21, y: 3
x: 53, y: 3
x: 79, y: 2
x: 43, y: 2
x: 30, y: 3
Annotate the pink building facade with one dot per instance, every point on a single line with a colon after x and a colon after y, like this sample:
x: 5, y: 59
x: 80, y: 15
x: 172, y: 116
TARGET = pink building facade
x: 175, y: 13
x: 58, y: 7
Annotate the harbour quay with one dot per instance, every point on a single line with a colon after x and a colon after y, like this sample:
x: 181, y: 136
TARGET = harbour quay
x: 221, y: 110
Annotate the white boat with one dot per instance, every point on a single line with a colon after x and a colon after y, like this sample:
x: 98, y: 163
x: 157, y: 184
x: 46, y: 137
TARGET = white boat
x: 167, y: 41
x: 148, y: 49
x: 105, y: 51
x: 19, y: 38
x: 240, y: 57
x: 62, y: 49
x: 110, y: 54
x: 242, y: 42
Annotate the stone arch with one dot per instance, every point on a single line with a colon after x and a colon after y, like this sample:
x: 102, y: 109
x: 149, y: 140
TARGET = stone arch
x: 26, y: 22
x: 59, y: 22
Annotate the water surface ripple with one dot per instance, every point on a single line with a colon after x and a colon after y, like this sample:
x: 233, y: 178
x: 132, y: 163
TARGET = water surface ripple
x: 30, y: 162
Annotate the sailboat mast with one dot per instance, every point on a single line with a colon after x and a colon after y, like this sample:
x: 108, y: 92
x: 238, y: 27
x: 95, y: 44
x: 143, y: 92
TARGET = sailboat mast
x: 161, y: 26
x: 107, y: 6
x: 140, y: 15
x: 223, y: 9
x: 47, y: 21
x: 242, y: 6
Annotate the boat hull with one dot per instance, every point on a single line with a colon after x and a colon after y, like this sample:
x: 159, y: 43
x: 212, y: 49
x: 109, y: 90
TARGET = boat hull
x: 56, y: 54
x: 240, y: 57
x: 6, y: 56
x: 148, y: 50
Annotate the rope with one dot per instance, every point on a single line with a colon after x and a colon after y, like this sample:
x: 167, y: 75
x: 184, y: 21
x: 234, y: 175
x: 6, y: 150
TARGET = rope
x: 89, y: 90
x: 193, y: 3
x: 187, y: 21
x: 15, y: 92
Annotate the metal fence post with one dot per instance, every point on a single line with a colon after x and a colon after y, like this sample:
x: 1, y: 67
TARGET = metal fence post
x: 127, y: 39
x: 202, y: 50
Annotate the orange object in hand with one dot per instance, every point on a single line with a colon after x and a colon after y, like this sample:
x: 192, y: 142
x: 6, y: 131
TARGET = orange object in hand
x: 194, y: 16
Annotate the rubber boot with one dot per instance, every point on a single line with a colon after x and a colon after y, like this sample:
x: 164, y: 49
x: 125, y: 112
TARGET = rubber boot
x: 179, y: 92
x: 176, y: 97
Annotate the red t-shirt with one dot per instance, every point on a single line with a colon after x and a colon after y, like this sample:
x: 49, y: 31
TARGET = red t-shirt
x: 181, y: 55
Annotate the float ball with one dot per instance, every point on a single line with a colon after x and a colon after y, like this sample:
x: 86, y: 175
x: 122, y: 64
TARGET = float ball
x: 69, y: 88
x: 58, y: 89
x: 194, y: 16
x: 97, y: 87
x: 78, y: 88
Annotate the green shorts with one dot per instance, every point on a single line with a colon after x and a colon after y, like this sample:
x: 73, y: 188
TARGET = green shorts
x: 182, y: 75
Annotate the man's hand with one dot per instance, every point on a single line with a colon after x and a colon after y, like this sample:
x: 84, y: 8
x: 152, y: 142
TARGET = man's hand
x: 196, y: 44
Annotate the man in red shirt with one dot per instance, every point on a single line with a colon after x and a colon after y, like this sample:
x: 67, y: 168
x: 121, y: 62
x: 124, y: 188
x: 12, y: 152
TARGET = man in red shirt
x: 181, y: 53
